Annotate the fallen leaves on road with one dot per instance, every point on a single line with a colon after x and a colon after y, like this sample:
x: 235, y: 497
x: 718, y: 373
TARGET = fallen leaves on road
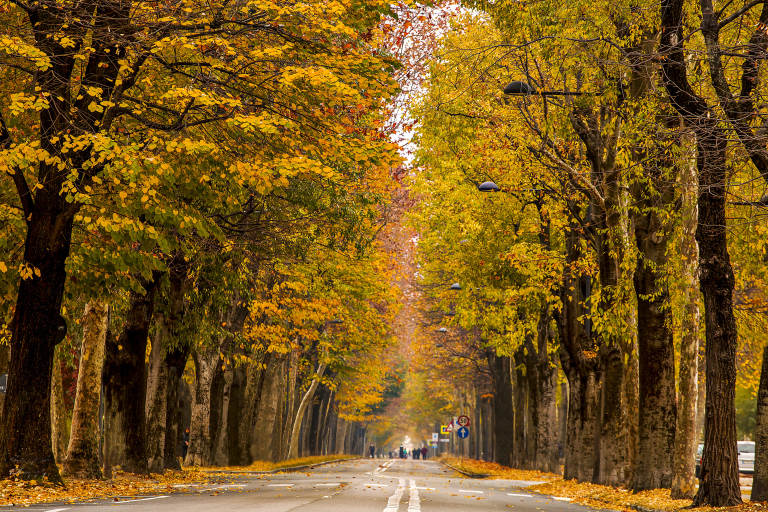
x: 22, y: 492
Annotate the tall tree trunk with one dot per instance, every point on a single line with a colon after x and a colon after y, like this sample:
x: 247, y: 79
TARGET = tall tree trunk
x: 719, y: 481
x: 175, y: 362
x: 82, y: 459
x: 341, y: 434
x: 503, y: 413
x: 251, y: 396
x: 653, y: 467
x: 262, y: 446
x: 157, y: 406
x: 760, y: 479
x: 59, y: 433
x: 687, y: 433
x: 519, y: 392
x: 221, y: 434
x: 293, y: 447
x: 37, y: 327
x: 199, y: 452
x: 125, y: 441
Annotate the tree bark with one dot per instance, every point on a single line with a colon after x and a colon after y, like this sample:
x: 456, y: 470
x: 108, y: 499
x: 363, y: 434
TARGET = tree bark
x: 251, y: 396
x: 262, y: 446
x: 221, y: 433
x: 59, y: 433
x: 293, y: 446
x: 37, y: 327
x: 519, y: 392
x: 200, y: 446
x: 82, y: 459
x: 175, y: 362
x: 760, y: 479
x: 653, y: 467
x: 125, y: 441
x: 687, y: 433
x: 503, y: 413
x: 156, y: 406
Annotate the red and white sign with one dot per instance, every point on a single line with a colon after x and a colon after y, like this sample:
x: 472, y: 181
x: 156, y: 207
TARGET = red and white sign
x: 463, y: 421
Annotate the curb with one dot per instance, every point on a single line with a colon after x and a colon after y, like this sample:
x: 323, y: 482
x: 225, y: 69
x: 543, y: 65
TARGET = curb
x: 468, y: 475
x: 279, y: 470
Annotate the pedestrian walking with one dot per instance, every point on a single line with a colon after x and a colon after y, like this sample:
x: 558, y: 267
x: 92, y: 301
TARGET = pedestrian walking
x: 424, y: 452
x: 372, y: 450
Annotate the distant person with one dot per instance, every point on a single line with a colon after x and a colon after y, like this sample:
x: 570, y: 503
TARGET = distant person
x: 424, y: 452
x: 372, y: 451
x: 402, y: 452
x: 185, y: 446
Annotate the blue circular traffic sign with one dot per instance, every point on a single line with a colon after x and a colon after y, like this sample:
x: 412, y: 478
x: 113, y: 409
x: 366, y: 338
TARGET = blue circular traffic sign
x: 463, y: 432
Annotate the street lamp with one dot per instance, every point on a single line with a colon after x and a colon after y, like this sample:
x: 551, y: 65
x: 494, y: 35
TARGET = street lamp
x: 488, y: 186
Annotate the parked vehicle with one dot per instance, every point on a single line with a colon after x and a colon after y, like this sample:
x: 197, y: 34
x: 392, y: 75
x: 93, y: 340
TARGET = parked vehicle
x: 746, y: 457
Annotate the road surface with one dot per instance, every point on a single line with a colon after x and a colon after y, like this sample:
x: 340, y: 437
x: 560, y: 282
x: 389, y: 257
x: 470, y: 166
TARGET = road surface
x: 377, y: 485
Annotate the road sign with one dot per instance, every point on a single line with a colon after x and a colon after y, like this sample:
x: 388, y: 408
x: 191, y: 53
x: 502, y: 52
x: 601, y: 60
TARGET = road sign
x: 463, y: 433
x: 463, y: 421
x: 435, y: 436
x: 444, y: 430
x: 445, y: 440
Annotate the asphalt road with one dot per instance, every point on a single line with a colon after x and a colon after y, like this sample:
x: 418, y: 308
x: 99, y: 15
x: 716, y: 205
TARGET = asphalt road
x: 354, y: 486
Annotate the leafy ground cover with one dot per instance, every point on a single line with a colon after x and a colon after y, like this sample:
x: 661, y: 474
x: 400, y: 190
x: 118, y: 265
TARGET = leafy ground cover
x: 126, y: 485
x: 23, y: 492
x: 493, y: 470
x: 598, y: 496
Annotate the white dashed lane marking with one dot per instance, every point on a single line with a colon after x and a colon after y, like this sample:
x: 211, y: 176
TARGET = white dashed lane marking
x: 393, y: 503
x: 470, y: 491
x: 414, y: 504
x: 519, y: 495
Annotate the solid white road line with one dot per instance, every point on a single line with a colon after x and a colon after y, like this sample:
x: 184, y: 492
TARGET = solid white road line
x: 393, y: 503
x: 558, y: 498
x: 142, y: 499
x: 414, y: 504
x: 473, y: 492
x: 56, y: 509
x: 327, y: 485
x: 519, y: 495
